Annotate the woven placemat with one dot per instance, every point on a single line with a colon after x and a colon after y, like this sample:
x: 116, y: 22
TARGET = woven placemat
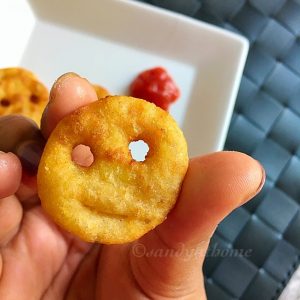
x: 265, y: 125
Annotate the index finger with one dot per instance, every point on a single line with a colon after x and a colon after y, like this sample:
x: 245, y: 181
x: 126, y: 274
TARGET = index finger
x: 68, y: 93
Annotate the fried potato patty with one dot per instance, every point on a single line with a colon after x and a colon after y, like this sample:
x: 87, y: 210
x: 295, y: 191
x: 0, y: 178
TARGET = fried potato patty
x: 100, y: 91
x: 116, y: 199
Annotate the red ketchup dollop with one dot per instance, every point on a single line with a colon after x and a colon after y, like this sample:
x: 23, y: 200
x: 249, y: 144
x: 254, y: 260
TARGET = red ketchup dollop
x: 156, y: 86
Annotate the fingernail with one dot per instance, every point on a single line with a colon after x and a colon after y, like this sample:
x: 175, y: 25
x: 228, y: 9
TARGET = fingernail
x: 262, y: 182
x: 263, y: 179
x: 66, y: 75
x: 59, y: 81
x: 30, y: 153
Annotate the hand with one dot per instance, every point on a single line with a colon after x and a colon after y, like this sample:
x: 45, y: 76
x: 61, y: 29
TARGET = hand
x: 39, y: 260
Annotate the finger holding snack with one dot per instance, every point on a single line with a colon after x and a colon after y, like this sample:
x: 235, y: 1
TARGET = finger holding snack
x: 62, y: 266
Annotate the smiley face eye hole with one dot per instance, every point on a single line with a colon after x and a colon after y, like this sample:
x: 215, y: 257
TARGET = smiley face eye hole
x: 138, y: 150
x: 82, y: 156
x: 4, y: 102
x: 34, y: 99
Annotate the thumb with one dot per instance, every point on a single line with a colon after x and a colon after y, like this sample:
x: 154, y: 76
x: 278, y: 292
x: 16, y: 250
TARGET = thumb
x: 214, y: 186
x: 172, y: 255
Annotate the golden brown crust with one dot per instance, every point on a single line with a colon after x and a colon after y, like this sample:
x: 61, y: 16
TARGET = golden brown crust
x: 21, y: 93
x: 116, y: 199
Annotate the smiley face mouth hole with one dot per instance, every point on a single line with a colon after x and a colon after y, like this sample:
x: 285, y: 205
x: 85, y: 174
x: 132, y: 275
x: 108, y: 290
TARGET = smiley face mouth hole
x: 82, y: 156
x: 138, y: 150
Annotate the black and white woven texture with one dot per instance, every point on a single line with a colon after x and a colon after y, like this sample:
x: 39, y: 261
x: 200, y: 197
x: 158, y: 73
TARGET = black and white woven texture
x: 265, y: 125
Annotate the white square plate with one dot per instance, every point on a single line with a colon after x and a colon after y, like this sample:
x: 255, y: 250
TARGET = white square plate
x: 111, y: 41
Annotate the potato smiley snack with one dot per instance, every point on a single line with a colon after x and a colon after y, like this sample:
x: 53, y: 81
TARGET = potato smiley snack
x: 22, y: 93
x: 100, y: 91
x: 116, y: 199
